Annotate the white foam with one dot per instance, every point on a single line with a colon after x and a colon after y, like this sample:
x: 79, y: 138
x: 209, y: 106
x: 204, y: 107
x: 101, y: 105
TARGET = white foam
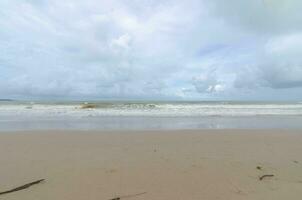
x: 147, y: 109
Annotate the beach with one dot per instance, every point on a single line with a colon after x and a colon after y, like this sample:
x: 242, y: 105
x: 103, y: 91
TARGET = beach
x: 152, y: 164
x: 150, y: 100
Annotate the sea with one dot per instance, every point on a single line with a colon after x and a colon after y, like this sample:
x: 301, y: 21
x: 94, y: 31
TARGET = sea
x: 148, y: 115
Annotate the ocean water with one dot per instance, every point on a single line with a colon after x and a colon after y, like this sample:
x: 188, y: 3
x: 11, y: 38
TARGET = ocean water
x: 25, y: 115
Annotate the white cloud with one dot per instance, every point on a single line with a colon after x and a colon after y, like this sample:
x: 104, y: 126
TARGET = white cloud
x: 149, y: 49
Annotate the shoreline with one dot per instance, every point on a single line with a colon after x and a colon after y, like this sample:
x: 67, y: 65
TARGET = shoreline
x: 152, y: 123
x: 162, y: 164
x: 144, y: 131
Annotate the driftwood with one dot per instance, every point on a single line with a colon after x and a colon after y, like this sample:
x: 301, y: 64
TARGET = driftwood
x: 128, y: 196
x: 264, y: 176
x: 22, y: 187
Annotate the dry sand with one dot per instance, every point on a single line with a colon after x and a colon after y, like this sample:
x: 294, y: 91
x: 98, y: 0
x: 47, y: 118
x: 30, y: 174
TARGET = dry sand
x: 182, y: 165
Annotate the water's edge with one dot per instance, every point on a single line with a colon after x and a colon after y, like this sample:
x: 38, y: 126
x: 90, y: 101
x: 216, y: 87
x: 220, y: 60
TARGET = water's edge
x: 149, y: 115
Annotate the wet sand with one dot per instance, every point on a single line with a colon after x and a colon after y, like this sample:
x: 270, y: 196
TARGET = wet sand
x: 182, y: 165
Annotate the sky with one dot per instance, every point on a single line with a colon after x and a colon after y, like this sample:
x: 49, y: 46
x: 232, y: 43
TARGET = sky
x: 151, y: 49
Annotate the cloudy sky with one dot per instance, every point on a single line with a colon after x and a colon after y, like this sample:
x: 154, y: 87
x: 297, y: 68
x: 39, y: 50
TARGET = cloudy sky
x: 151, y: 49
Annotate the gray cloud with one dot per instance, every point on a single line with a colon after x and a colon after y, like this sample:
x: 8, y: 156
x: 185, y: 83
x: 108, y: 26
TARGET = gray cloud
x: 278, y: 65
x: 260, y: 16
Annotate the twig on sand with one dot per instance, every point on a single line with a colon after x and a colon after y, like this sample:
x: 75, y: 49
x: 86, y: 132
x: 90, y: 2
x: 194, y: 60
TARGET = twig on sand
x: 128, y: 196
x: 22, y: 187
x: 266, y: 175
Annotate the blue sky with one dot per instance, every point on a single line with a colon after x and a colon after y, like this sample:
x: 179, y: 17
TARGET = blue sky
x: 150, y: 49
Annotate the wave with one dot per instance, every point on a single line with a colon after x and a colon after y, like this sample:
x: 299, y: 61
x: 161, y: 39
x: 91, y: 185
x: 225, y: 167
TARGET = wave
x: 167, y: 109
